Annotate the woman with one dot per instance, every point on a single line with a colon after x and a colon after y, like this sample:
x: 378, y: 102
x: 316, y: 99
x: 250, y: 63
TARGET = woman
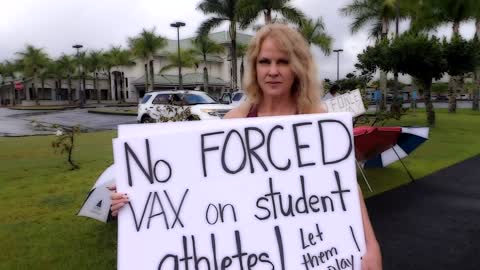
x: 281, y: 81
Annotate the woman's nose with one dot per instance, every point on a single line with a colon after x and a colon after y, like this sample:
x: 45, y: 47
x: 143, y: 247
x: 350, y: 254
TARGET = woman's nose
x: 273, y: 70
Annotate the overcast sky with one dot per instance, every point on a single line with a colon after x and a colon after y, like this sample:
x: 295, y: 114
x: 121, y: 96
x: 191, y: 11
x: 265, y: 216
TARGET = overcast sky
x: 56, y: 25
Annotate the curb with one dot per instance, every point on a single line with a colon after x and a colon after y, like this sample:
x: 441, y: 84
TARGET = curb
x: 112, y: 112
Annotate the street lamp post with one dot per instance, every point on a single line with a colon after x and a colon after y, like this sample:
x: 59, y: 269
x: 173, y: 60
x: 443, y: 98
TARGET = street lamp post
x: 338, y: 51
x: 80, y: 92
x: 178, y: 25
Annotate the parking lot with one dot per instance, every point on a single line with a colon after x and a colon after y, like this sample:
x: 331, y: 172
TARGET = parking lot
x: 25, y: 122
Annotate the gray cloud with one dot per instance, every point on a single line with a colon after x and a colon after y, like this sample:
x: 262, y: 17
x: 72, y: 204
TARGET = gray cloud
x: 56, y: 25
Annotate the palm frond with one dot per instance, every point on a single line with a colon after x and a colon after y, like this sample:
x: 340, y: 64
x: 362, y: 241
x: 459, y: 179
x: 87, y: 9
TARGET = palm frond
x: 208, y: 25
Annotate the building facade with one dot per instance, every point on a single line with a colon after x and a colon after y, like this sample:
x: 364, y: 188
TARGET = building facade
x: 127, y: 83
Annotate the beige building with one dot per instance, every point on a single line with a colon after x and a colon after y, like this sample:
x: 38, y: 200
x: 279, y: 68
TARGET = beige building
x: 128, y: 82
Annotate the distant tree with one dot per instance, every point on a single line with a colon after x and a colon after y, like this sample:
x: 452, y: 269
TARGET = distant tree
x: 144, y: 46
x: 67, y: 66
x: 94, y: 65
x: 438, y: 13
x: 242, y: 51
x: 32, y: 61
x: 314, y: 33
x: 378, y: 14
x: 460, y: 56
x: 121, y: 58
x: 255, y: 8
x: 9, y: 69
x: 204, y: 46
x: 221, y: 11
x: 418, y: 55
x: 187, y: 59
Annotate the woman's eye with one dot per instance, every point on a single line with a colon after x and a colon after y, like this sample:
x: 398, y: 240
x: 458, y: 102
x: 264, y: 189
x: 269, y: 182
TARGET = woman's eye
x: 283, y: 62
x: 263, y: 61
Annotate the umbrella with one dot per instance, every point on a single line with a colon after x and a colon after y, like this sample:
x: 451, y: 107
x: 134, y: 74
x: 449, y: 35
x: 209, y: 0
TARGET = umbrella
x: 371, y: 141
x: 377, y: 147
x: 97, y: 203
x: 408, y: 140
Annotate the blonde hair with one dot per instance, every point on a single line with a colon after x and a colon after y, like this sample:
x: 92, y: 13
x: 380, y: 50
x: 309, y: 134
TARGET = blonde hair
x: 305, y: 88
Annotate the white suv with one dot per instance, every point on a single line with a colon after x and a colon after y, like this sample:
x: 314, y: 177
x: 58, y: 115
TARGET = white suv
x: 160, y: 103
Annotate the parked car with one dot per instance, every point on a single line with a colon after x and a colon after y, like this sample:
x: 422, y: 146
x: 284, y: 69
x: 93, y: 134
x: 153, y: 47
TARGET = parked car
x: 154, y: 105
x: 441, y: 98
x: 234, y: 98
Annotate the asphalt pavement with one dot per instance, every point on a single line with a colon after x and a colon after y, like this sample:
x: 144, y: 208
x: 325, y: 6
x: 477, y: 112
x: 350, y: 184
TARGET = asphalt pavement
x: 35, y: 122
x: 433, y: 223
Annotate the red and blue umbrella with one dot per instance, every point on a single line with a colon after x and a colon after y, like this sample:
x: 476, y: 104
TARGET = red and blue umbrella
x: 408, y: 140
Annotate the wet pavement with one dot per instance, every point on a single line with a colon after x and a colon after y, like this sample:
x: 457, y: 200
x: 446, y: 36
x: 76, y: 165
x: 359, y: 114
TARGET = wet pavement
x: 35, y: 122
x: 29, y: 122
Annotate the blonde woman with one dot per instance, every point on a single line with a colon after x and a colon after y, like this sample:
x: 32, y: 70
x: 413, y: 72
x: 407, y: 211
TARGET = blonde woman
x: 281, y: 81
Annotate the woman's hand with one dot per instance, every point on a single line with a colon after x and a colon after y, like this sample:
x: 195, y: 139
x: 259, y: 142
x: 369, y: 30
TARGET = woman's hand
x: 372, y: 259
x: 118, y: 200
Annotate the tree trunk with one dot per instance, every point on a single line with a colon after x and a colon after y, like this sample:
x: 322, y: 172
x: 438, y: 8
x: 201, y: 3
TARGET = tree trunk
x: 13, y: 93
x: 95, y: 85
x: 58, y: 89
x: 109, y: 94
x: 70, y: 96
x: 35, y: 90
x: 205, y: 74
x: 152, y: 74
x: 455, y: 85
x: 242, y: 71
x: 146, y: 77
x: 383, y: 89
x: 455, y: 81
x: 42, y: 83
x: 428, y: 103
x: 122, y: 89
x: 383, y: 74
x: 233, y: 37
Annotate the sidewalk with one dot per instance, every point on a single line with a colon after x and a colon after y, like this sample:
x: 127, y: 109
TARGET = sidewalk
x: 433, y: 223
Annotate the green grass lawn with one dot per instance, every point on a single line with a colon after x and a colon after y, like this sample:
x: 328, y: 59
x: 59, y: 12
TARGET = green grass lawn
x: 40, y: 196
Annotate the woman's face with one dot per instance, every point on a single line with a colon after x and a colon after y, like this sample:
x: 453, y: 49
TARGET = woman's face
x: 274, y: 73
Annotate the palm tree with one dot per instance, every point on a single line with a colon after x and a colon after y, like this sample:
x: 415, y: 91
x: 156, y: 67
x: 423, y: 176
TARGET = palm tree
x: 254, y: 8
x: 94, y: 64
x: 144, y: 46
x: 9, y: 69
x: 120, y: 58
x: 107, y: 66
x: 203, y: 45
x: 32, y: 60
x: 222, y: 11
x: 379, y: 14
x: 47, y: 72
x: 67, y: 66
x: 187, y: 59
x: 438, y: 13
x: 242, y: 51
x: 314, y: 33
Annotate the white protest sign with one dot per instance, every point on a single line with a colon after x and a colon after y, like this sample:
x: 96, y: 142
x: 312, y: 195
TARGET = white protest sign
x: 348, y: 102
x: 256, y: 193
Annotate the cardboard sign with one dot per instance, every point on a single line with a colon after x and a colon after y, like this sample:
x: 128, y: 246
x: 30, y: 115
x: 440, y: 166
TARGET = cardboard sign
x: 348, y: 102
x: 254, y: 193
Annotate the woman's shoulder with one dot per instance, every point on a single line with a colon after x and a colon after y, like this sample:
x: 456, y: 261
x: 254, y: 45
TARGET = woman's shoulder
x: 239, y: 112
